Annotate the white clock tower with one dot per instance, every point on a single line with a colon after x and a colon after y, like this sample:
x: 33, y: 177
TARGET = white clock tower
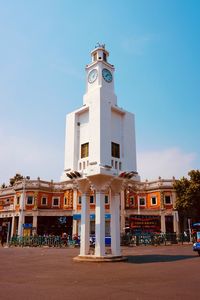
x: 100, y: 153
x: 100, y: 136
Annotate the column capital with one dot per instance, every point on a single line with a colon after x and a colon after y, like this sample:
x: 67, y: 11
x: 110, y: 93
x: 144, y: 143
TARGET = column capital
x: 83, y: 185
x: 117, y: 185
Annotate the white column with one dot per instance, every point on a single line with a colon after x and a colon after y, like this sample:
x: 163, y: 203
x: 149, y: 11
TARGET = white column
x: 163, y: 227
x: 100, y: 224
x: 35, y: 224
x: 20, y: 224
x: 74, y: 228
x: 13, y: 226
x: 22, y: 206
x: 138, y: 203
x: 74, y: 224
x: 75, y: 196
x: 122, y: 223
x: 115, y: 224
x: 176, y: 221
x: 85, y: 225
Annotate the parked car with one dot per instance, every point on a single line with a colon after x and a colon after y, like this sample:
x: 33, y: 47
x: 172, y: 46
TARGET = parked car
x: 196, y: 245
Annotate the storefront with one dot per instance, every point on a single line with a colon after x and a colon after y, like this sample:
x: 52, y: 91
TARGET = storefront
x: 144, y: 223
x: 54, y: 225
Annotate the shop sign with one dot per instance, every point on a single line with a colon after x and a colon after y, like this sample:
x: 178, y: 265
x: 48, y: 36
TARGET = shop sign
x: 27, y: 225
x: 92, y: 216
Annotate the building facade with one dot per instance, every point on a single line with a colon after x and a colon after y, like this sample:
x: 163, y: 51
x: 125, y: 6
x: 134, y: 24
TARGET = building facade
x: 48, y: 208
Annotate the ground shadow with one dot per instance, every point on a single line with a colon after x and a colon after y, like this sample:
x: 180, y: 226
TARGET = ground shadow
x: 144, y: 259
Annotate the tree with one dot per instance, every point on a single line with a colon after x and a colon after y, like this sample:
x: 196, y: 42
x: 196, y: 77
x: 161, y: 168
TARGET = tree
x: 188, y: 196
x: 16, y: 178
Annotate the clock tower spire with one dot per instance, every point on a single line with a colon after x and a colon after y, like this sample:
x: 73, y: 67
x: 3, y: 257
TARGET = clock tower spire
x: 100, y: 77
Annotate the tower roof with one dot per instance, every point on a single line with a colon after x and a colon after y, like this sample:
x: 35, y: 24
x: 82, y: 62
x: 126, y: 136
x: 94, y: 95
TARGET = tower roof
x: 99, y: 51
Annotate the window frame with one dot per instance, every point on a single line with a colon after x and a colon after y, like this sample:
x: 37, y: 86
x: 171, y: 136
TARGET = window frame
x: 133, y: 203
x: 53, y: 198
x: 92, y: 198
x: 79, y: 200
x: 115, y: 150
x: 18, y: 200
x: 28, y: 198
x: 169, y: 198
x: 85, y: 150
x: 156, y: 200
x: 106, y: 201
x: 144, y: 201
x: 43, y: 197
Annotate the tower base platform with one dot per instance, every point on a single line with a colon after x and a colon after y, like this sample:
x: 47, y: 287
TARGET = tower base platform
x: 100, y: 259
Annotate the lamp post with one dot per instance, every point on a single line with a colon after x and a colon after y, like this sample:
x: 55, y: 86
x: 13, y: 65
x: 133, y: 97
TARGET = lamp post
x: 22, y: 203
x: 189, y: 229
x: 8, y: 232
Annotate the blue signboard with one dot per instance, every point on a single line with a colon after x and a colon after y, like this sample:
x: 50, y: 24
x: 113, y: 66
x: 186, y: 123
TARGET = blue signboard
x: 27, y: 225
x: 92, y: 217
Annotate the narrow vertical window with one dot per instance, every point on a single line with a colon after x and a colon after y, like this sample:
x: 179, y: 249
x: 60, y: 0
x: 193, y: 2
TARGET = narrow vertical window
x: 132, y: 201
x: 106, y: 199
x: 115, y: 150
x: 92, y: 199
x: 84, y: 150
x: 44, y: 201
x: 153, y: 200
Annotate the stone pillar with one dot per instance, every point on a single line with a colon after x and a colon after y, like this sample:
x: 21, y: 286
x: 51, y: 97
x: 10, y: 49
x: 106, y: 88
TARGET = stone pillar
x: 163, y: 227
x: 100, y: 224
x: 21, y: 214
x: 176, y: 222
x: 85, y: 225
x: 74, y: 228
x: 13, y: 226
x: 74, y: 222
x: 75, y: 196
x: 20, y: 224
x: 34, y: 224
x: 122, y: 212
x: 115, y: 224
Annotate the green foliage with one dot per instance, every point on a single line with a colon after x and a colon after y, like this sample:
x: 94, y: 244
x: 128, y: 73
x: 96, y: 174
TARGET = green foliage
x: 16, y: 178
x: 188, y: 194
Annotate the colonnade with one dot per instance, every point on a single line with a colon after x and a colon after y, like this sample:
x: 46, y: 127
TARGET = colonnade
x: 100, y: 224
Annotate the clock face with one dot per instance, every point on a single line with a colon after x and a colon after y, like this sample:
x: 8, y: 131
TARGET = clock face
x: 92, y: 76
x: 107, y: 75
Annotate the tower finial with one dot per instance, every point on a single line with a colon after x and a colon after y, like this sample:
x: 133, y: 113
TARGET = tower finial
x: 98, y: 45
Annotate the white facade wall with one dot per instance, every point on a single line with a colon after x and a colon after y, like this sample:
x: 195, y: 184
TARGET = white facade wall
x: 100, y: 122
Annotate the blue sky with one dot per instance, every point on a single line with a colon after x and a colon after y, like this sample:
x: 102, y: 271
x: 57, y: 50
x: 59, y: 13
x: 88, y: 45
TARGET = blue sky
x: 45, y: 46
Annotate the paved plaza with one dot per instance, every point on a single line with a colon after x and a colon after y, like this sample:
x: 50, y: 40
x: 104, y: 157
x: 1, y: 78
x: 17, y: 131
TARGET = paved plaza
x: 164, y: 272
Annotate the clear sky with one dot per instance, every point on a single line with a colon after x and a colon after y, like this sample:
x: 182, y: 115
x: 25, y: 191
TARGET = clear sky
x: 44, y: 47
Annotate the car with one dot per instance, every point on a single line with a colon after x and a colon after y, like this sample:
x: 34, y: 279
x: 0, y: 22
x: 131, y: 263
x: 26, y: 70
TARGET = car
x: 196, y: 247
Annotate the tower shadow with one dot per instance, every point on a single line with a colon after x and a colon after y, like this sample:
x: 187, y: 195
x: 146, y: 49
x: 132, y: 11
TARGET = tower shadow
x: 145, y: 259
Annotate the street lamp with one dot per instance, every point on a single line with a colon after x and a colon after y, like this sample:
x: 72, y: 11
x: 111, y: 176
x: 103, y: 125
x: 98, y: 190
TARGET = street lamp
x: 22, y: 202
